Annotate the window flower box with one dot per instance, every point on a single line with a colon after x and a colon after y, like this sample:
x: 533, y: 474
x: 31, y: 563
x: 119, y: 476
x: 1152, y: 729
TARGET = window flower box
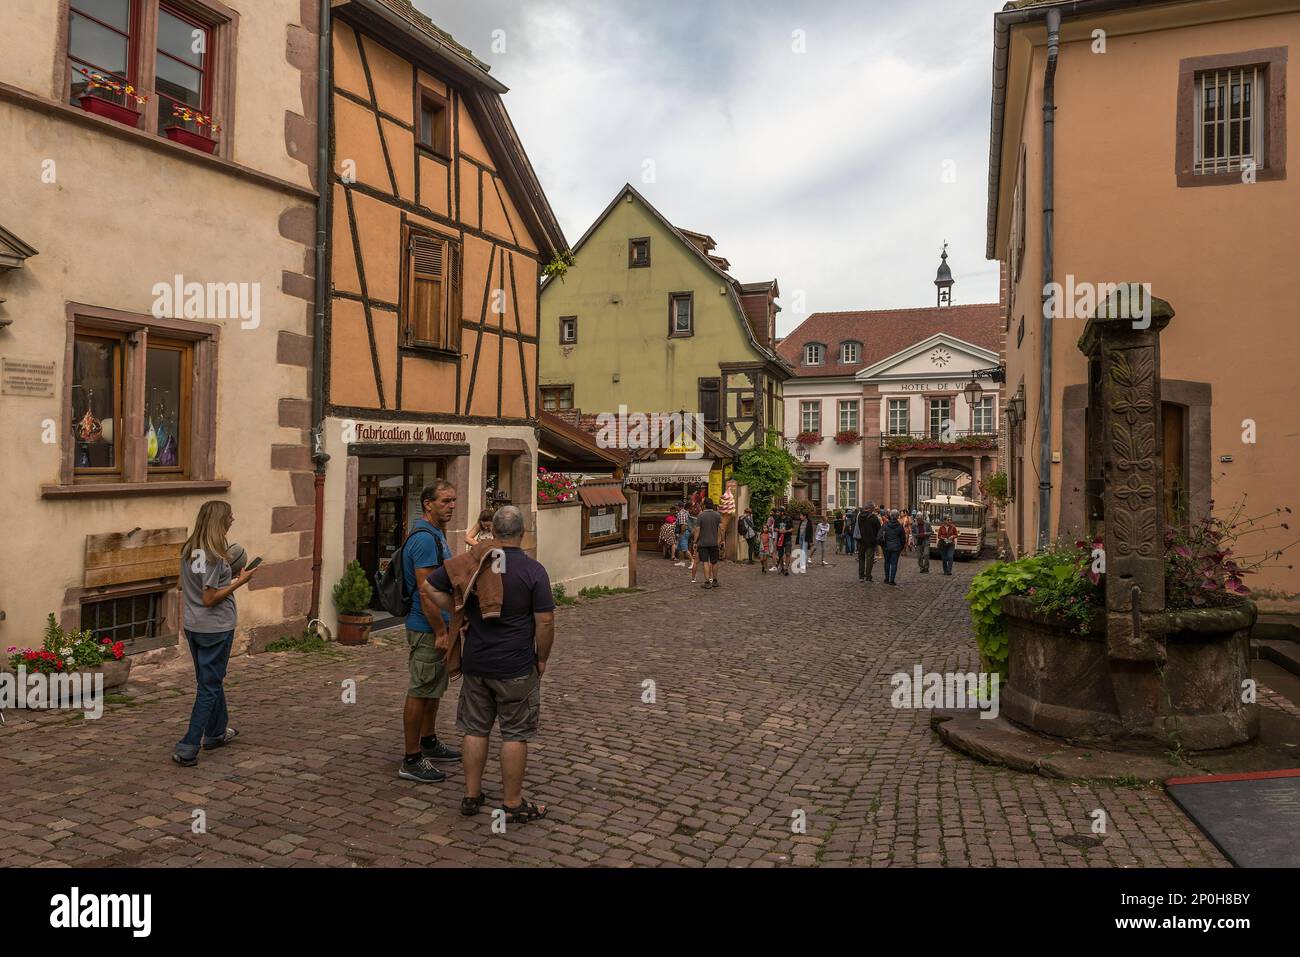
x: 103, y: 94
x: 808, y: 438
x: 848, y: 437
x: 554, y: 488
x: 202, y: 137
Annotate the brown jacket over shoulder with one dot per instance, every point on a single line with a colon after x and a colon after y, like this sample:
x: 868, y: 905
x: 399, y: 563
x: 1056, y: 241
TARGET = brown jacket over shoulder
x: 471, y: 573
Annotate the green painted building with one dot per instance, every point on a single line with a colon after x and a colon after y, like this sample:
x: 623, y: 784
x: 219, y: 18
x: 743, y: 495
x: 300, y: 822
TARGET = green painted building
x: 651, y: 319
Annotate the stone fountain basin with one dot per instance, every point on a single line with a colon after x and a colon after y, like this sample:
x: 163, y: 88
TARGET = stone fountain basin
x: 1062, y: 683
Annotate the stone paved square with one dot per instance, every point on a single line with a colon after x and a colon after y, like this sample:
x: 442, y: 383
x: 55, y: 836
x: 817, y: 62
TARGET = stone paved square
x: 772, y: 697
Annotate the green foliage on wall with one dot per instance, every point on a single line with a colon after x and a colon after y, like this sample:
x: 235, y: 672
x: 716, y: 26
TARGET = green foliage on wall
x: 767, y: 469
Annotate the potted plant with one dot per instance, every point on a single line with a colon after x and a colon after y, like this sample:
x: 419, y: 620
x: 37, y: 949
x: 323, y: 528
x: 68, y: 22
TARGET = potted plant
x: 847, y: 437
x: 63, y: 653
x: 808, y: 438
x: 102, y: 96
x: 195, y: 138
x: 352, y: 599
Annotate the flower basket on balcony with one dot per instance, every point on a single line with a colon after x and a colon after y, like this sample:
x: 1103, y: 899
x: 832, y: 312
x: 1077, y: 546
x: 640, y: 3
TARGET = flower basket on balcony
x: 195, y: 138
x: 108, y: 97
x: 910, y: 443
x: 808, y: 438
x: 555, y: 487
x: 848, y: 437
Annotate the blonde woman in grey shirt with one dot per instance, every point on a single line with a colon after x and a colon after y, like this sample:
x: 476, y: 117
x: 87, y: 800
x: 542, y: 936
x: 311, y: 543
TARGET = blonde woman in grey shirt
x: 212, y: 570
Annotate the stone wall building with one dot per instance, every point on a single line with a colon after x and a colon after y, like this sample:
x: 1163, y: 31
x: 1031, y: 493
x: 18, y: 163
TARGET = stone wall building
x: 154, y: 344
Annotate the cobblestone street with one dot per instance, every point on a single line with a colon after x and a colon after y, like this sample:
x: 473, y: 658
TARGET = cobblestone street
x: 772, y: 697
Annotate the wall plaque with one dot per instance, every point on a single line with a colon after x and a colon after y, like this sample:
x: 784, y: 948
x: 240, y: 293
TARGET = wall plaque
x: 34, y: 377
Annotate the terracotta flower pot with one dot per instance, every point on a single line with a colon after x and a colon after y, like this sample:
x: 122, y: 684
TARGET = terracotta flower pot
x: 114, y: 111
x: 179, y: 134
x: 355, y: 629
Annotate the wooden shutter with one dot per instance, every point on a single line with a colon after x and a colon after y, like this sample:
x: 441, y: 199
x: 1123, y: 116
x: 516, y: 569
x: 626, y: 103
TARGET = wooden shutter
x: 455, y: 303
x: 425, y: 325
x: 709, y: 407
x: 434, y: 300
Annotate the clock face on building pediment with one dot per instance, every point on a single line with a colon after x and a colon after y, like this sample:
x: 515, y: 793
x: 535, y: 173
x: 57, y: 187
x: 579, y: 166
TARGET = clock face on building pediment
x: 934, y: 358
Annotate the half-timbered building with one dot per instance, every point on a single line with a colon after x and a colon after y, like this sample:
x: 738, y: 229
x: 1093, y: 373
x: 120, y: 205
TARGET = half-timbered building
x: 439, y: 233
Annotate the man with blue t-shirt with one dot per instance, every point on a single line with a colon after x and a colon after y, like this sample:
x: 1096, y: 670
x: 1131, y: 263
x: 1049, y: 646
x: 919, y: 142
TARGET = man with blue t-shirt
x: 423, y: 552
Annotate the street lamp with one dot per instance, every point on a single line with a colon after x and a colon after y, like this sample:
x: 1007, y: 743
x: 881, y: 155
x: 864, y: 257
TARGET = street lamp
x: 973, y: 394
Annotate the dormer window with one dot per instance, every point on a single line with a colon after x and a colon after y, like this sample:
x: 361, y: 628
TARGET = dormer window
x: 813, y: 353
x: 850, y: 353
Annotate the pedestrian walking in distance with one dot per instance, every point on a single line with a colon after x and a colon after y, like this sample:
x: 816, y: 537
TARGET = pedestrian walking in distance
x: 668, y: 537
x: 867, y: 534
x: 784, y: 539
x: 819, y: 536
x: 212, y: 570
x: 892, y: 540
x: 766, y: 541
x: 708, y: 538
x: 921, y: 535
x: 839, y: 531
x: 749, y: 533
x: 947, y: 533
x: 505, y: 632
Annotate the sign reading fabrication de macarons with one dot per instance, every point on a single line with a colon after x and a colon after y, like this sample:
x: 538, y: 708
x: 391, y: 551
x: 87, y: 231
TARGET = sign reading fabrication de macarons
x: 397, y: 434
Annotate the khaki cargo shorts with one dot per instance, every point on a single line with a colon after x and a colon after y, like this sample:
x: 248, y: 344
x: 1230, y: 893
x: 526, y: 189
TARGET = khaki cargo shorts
x: 427, y: 666
x: 517, y: 702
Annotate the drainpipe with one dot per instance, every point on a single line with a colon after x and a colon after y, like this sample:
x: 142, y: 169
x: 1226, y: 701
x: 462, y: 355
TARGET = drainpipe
x: 1045, y: 345
x: 323, y: 194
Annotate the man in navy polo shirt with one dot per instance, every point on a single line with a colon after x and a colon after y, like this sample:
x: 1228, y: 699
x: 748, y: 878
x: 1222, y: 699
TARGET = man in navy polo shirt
x: 503, y: 661
x: 424, y: 551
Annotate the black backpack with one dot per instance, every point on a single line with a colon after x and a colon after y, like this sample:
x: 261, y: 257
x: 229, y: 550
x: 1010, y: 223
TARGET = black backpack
x: 390, y: 584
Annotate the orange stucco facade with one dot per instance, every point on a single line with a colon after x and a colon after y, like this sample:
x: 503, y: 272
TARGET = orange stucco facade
x: 1222, y: 255
x: 428, y: 180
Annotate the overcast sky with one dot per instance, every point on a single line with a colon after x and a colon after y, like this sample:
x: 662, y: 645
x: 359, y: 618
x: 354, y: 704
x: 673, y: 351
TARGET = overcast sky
x: 824, y: 169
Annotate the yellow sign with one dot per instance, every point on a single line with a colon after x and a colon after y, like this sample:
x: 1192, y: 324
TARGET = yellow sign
x: 683, y: 445
x: 715, y: 485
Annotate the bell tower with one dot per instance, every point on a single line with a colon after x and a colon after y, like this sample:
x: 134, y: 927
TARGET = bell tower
x: 943, y: 280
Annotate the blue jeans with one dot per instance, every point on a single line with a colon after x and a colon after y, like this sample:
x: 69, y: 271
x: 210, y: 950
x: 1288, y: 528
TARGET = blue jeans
x: 211, y: 653
x: 891, y: 564
x: 946, y: 552
x: 850, y: 546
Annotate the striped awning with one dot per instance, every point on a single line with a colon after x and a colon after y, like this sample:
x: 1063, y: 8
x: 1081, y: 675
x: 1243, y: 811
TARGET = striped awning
x: 671, y: 472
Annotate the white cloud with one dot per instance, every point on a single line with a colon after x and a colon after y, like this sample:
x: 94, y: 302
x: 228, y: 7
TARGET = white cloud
x: 821, y: 169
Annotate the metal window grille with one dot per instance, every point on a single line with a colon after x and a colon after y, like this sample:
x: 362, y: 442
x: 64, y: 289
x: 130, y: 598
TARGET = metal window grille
x: 1229, y: 133
x: 124, y: 619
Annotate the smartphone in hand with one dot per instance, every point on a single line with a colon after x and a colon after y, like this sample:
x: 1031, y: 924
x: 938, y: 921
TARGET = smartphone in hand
x: 253, y: 564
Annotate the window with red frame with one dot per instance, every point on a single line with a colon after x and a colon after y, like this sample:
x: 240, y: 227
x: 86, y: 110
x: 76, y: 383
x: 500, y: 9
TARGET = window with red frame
x: 183, y: 57
x: 100, y: 40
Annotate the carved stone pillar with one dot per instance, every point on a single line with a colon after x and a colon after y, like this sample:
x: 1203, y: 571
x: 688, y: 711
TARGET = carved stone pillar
x: 1125, y: 452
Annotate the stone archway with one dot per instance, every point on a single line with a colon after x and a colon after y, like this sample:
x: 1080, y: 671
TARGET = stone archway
x: 940, y: 476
